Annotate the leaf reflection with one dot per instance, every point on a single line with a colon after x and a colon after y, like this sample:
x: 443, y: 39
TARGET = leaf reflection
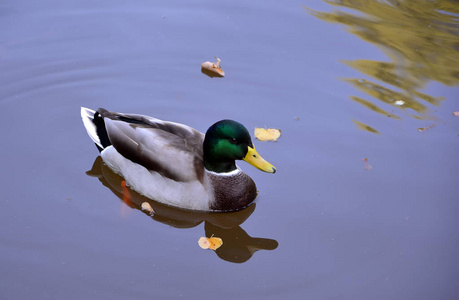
x: 419, y: 37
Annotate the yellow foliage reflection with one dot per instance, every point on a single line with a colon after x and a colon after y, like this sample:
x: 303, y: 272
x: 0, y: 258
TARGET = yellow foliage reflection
x: 421, y: 38
x: 362, y: 126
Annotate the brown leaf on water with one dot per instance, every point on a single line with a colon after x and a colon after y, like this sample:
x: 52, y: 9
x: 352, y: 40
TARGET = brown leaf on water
x: 212, y: 243
x: 270, y: 134
x: 212, y: 69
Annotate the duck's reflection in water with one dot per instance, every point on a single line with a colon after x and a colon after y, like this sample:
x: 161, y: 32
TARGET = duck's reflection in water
x: 238, y: 246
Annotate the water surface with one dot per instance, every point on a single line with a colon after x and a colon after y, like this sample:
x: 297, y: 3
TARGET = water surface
x: 328, y: 225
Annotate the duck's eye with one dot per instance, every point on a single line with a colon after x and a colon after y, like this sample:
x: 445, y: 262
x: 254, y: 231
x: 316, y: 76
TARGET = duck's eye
x: 233, y: 141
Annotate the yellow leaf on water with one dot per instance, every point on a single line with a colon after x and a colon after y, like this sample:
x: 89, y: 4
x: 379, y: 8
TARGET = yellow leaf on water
x: 270, y: 134
x: 210, y: 243
x: 147, y: 207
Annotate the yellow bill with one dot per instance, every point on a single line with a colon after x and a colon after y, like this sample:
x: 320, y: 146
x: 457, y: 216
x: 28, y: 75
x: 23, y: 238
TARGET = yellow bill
x: 258, y: 162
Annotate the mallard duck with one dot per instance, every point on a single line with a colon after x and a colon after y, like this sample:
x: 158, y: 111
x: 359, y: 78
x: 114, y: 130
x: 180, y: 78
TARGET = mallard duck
x: 175, y: 164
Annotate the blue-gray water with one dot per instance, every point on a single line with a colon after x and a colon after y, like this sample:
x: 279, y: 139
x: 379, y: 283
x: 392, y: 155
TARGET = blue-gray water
x: 331, y: 229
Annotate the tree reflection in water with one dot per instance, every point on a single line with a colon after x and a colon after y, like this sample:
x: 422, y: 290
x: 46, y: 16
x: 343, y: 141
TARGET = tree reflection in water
x: 421, y: 38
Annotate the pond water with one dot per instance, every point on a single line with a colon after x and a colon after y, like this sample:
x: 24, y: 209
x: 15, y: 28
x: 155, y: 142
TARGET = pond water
x: 365, y: 198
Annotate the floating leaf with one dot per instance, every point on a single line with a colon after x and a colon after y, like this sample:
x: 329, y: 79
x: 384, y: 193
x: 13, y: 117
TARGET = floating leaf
x: 270, y: 134
x: 212, y: 243
x: 212, y: 69
x: 147, y: 207
x: 456, y: 113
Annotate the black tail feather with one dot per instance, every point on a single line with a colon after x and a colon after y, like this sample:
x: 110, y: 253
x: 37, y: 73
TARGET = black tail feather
x: 101, y: 131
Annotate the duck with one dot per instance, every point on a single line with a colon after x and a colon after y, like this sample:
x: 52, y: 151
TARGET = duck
x: 175, y: 164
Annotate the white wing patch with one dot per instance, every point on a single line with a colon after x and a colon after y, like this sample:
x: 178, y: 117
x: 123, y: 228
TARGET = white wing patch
x: 87, y: 115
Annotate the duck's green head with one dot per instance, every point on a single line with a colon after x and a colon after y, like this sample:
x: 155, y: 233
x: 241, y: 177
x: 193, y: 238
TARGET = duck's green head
x: 227, y: 141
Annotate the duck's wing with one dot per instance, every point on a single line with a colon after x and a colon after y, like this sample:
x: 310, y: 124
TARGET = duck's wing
x: 174, y: 150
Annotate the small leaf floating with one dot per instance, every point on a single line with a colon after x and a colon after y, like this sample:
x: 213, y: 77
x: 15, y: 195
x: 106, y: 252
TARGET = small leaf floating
x: 147, y: 207
x: 212, y: 243
x: 270, y: 134
x: 212, y: 69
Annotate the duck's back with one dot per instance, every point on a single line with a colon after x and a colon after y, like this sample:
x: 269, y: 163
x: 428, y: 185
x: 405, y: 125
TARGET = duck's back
x: 171, y: 149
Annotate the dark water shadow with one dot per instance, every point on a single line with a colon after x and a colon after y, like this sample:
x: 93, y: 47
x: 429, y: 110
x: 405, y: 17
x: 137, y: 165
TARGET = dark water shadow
x: 238, y: 246
x: 421, y: 39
